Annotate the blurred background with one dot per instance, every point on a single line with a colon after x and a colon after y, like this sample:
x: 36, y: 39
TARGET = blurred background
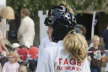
x: 83, y: 10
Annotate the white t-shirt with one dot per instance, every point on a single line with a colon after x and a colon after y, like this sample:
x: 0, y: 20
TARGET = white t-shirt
x: 26, y: 32
x: 44, y: 43
x: 55, y: 59
x: 10, y: 67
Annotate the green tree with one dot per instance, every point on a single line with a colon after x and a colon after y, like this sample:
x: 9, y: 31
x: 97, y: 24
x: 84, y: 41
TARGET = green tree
x: 35, y: 5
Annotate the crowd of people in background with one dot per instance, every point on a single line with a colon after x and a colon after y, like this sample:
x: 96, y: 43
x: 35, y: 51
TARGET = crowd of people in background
x: 64, y: 50
x: 21, y: 56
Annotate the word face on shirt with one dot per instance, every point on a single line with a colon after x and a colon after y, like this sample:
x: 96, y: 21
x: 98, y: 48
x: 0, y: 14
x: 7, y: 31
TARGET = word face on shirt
x: 66, y: 64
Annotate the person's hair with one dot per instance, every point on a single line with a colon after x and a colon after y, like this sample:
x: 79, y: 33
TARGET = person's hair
x: 63, y: 3
x: 96, y: 37
x: 61, y: 20
x: 80, y: 29
x: 76, y: 45
x: 25, y: 11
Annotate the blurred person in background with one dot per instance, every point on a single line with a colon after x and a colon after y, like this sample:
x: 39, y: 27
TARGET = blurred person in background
x: 26, y: 32
x: 12, y: 65
x: 97, y: 52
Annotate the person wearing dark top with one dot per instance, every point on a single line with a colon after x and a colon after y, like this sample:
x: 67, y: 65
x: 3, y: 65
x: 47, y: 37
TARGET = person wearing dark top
x: 96, y: 54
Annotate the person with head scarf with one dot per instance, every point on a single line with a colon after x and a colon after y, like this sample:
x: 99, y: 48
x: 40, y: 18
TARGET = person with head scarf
x: 68, y: 50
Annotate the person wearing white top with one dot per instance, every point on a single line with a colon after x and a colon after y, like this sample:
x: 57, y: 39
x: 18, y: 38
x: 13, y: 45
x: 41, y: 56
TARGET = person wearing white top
x: 66, y: 52
x: 12, y: 65
x: 56, y: 59
x: 46, y: 42
x: 26, y: 32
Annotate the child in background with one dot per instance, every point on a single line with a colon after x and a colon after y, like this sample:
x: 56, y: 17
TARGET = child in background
x: 12, y: 65
x: 23, y: 52
x: 96, y: 54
